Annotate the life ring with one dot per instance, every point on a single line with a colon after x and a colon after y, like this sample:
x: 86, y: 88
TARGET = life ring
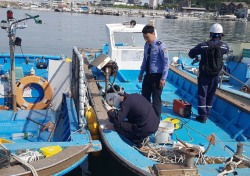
x: 22, y: 83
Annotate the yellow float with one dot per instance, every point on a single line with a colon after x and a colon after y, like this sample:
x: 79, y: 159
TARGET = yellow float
x: 93, y: 126
x: 174, y: 121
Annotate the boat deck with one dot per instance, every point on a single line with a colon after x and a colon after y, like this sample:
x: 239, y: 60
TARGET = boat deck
x: 226, y: 124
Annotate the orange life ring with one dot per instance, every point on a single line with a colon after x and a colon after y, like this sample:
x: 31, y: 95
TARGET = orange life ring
x: 22, y: 83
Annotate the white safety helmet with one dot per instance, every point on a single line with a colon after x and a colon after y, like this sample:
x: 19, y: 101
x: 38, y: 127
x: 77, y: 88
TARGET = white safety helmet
x: 113, y: 99
x: 216, y: 28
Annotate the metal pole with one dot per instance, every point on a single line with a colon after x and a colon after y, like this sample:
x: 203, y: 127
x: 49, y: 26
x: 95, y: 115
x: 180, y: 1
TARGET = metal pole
x: 11, y: 35
x: 13, y: 69
x: 239, y: 150
x: 236, y: 79
x: 107, y: 72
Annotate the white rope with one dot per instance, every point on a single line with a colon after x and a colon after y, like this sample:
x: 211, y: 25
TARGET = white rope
x: 32, y: 169
x: 229, y: 167
x: 30, y: 156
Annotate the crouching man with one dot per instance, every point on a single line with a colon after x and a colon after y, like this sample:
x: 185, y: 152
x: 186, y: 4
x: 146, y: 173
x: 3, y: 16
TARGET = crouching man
x: 135, y: 119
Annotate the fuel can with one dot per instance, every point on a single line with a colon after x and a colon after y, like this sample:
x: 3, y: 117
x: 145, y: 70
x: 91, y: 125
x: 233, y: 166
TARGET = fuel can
x: 182, y: 108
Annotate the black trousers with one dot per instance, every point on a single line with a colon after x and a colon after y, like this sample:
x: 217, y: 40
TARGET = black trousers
x: 129, y: 130
x: 151, y: 87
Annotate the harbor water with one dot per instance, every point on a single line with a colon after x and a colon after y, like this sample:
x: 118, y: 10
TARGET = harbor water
x: 60, y: 31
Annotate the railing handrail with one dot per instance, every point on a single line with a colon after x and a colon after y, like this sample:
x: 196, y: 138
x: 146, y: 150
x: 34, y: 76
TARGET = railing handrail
x: 236, y: 79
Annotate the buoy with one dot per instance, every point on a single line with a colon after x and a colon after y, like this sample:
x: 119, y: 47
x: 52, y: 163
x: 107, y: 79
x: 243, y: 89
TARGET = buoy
x: 22, y: 83
x: 93, y: 128
x: 92, y: 121
x: 90, y: 115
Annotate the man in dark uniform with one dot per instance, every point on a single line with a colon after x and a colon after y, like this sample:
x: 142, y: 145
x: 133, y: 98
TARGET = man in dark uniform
x: 207, y: 84
x: 135, y: 119
x: 156, y: 65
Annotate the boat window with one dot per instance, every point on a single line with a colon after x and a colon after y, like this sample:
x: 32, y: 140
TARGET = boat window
x: 128, y: 39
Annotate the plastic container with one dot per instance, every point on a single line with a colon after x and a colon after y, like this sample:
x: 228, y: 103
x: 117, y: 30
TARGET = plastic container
x: 4, y: 141
x: 50, y: 150
x: 163, y: 134
x: 32, y: 71
x: 25, y: 135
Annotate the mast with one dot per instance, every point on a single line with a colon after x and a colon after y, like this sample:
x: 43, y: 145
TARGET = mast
x: 11, y: 35
x: 13, y: 40
x: 13, y: 68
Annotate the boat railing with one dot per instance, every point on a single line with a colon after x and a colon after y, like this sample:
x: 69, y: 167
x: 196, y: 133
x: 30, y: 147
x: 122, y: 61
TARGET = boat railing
x: 79, y: 91
x: 236, y: 79
x: 180, y: 53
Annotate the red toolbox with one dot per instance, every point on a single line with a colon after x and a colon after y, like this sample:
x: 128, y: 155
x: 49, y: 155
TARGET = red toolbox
x: 182, y: 108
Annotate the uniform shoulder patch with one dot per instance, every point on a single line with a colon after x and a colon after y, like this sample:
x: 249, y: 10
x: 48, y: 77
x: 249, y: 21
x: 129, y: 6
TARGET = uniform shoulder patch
x: 158, y: 42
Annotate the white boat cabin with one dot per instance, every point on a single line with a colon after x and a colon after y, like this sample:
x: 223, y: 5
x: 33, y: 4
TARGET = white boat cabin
x: 126, y: 44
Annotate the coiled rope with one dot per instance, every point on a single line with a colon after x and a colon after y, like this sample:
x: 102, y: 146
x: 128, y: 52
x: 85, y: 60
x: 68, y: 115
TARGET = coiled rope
x: 29, y: 166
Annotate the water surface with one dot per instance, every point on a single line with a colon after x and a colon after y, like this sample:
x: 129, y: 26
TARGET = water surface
x: 61, y: 31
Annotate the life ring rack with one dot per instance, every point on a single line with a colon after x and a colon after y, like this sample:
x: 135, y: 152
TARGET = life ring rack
x: 32, y: 79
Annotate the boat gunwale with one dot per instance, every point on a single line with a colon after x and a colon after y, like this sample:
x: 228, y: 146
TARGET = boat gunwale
x: 220, y: 93
x: 52, y: 165
x: 102, y: 116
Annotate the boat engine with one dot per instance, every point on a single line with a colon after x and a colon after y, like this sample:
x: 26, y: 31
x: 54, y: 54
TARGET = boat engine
x: 107, y: 66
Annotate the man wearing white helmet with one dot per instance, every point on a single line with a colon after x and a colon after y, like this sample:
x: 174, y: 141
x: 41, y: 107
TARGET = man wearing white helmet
x: 210, y: 65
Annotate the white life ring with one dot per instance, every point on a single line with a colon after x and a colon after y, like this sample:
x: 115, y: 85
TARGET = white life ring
x: 22, y: 83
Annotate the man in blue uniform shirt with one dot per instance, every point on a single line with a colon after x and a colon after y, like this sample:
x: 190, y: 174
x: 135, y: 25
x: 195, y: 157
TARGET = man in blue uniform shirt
x: 207, y: 83
x: 156, y: 64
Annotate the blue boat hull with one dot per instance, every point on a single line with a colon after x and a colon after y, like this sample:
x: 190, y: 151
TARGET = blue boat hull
x: 75, y: 142
x: 228, y: 122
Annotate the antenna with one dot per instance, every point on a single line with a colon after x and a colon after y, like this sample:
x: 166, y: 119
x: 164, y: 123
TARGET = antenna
x: 10, y: 26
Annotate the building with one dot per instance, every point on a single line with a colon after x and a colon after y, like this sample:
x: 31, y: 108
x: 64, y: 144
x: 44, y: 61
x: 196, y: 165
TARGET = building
x: 193, y: 10
x: 136, y: 2
x: 239, y: 9
x: 153, y: 4
x: 106, y: 3
x: 55, y: 3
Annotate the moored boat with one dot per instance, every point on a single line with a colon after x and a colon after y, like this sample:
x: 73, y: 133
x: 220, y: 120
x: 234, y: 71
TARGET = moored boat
x: 235, y: 77
x: 43, y: 125
x: 187, y: 147
x: 171, y: 16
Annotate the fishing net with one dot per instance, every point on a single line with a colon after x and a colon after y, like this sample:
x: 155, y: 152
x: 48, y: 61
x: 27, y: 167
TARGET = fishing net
x: 4, y: 158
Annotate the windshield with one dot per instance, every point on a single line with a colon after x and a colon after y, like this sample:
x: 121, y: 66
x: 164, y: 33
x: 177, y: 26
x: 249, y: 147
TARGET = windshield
x: 129, y: 39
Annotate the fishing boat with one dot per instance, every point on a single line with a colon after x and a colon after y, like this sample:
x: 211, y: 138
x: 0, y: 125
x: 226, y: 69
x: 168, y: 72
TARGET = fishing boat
x: 235, y: 76
x: 43, y: 127
x: 182, y: 145
x: 171, y: 16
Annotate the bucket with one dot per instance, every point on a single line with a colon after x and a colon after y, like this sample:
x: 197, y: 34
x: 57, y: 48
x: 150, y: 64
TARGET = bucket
x: 162, y: 135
